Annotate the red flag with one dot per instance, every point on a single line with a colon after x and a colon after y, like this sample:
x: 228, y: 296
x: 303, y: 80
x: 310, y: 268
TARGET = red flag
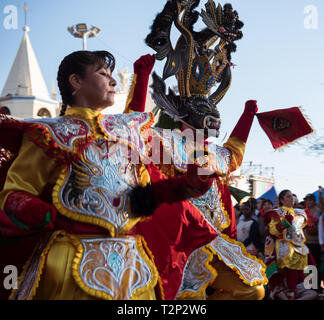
x: 284, y: 126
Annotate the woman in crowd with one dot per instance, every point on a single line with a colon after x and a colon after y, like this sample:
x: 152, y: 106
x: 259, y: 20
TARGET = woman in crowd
x: 286, y: 254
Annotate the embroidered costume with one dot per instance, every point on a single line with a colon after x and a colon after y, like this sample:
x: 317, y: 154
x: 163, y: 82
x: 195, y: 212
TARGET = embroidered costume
x: 223, y: 264
x: 68, y: 195
x: 286, y: 254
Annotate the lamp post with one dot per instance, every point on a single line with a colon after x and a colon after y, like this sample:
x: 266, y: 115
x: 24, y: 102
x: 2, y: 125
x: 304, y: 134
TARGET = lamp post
x: 82, y: 31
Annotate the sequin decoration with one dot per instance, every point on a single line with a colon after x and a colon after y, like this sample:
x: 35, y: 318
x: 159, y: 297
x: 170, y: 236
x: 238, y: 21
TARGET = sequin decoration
x: 98, y: 185
x: 232, y: 255
x: 114, y: 267
x: 295, y: 233
x: 64, y: 130
x: 195, y: 274
x: 209, y: 204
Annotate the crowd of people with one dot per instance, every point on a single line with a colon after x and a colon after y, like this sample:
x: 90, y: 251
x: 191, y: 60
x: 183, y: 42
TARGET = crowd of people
x: 264, y: 226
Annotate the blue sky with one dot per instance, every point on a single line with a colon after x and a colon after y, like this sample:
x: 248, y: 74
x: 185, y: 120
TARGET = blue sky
x: 279, y: 62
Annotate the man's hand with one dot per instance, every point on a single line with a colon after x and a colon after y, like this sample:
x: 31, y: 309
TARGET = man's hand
x: 144, y: 64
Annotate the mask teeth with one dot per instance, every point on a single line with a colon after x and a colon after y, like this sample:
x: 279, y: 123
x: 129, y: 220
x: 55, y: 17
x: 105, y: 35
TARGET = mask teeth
x: 209, y: 121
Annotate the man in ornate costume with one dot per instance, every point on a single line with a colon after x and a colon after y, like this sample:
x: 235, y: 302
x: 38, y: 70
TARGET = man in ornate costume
x: 223, y: 265
x: 70, y: 192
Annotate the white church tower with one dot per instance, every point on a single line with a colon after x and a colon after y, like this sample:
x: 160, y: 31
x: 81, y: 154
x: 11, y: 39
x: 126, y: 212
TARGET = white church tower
x: 25, y: 94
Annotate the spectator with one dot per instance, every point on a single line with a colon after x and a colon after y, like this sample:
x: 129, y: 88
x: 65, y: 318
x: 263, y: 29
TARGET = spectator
x: 248, y: 231
x: 321, y: 243
x: 276, y: 203
x: 301, y: 205
x: 321, y: 235
x: 259, y: 205
x: 313, y: 211
x: 237, y: 210
x: 267, y: 206
x: 296, y: 202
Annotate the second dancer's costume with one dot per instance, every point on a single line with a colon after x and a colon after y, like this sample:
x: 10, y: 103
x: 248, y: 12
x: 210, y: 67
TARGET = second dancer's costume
x: 223, y: 265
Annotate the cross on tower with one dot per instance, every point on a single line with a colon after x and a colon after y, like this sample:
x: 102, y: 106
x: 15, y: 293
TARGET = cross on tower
x: 25, y: 9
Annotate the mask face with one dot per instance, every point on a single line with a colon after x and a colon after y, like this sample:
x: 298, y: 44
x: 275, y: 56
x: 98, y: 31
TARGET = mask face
x: 202, y: 114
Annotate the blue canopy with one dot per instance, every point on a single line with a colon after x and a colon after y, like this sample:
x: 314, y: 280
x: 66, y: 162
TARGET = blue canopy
x: 270, y: 194
x: 316, y: 195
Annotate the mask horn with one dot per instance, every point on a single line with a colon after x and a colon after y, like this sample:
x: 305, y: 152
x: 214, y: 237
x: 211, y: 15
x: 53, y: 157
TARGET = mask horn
x: 219, y: 94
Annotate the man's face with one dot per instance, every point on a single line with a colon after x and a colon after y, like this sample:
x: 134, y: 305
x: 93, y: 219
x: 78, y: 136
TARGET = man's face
x: 246, y: 211
x: 309, y: 203
x: 267, y: 206
x: 259, y: 204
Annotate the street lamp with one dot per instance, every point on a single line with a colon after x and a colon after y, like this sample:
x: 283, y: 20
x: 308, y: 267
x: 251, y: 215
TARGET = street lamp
x: 81, y: 31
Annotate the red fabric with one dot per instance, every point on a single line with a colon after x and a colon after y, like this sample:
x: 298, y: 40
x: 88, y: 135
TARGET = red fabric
x: 8, y: 229
x: 243, y: 126
x: 225, y: 193
x: 75, y: 227
x: 29, y: 210
x: 279, y: 227
x: 176, y: 189
x: 312, y: 223
x: 272, y: 214
x: 10, y: 141
x: 311, y: 260
x: 286, y: 279
x: 142, y: 68
x: 284, y: 126
x: 51, y: 148
x: 172, y: 234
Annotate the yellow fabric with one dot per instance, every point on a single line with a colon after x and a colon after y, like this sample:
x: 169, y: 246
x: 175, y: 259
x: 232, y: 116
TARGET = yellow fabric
x: 130, y: 95
x: 57, y: 282
x: 237, y: 147
x: 293, y: 260
x: 272, y: 227
x: 228, y: 285
x: 143, y: 175
x: 89, y: 115
x: 31, y: 171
